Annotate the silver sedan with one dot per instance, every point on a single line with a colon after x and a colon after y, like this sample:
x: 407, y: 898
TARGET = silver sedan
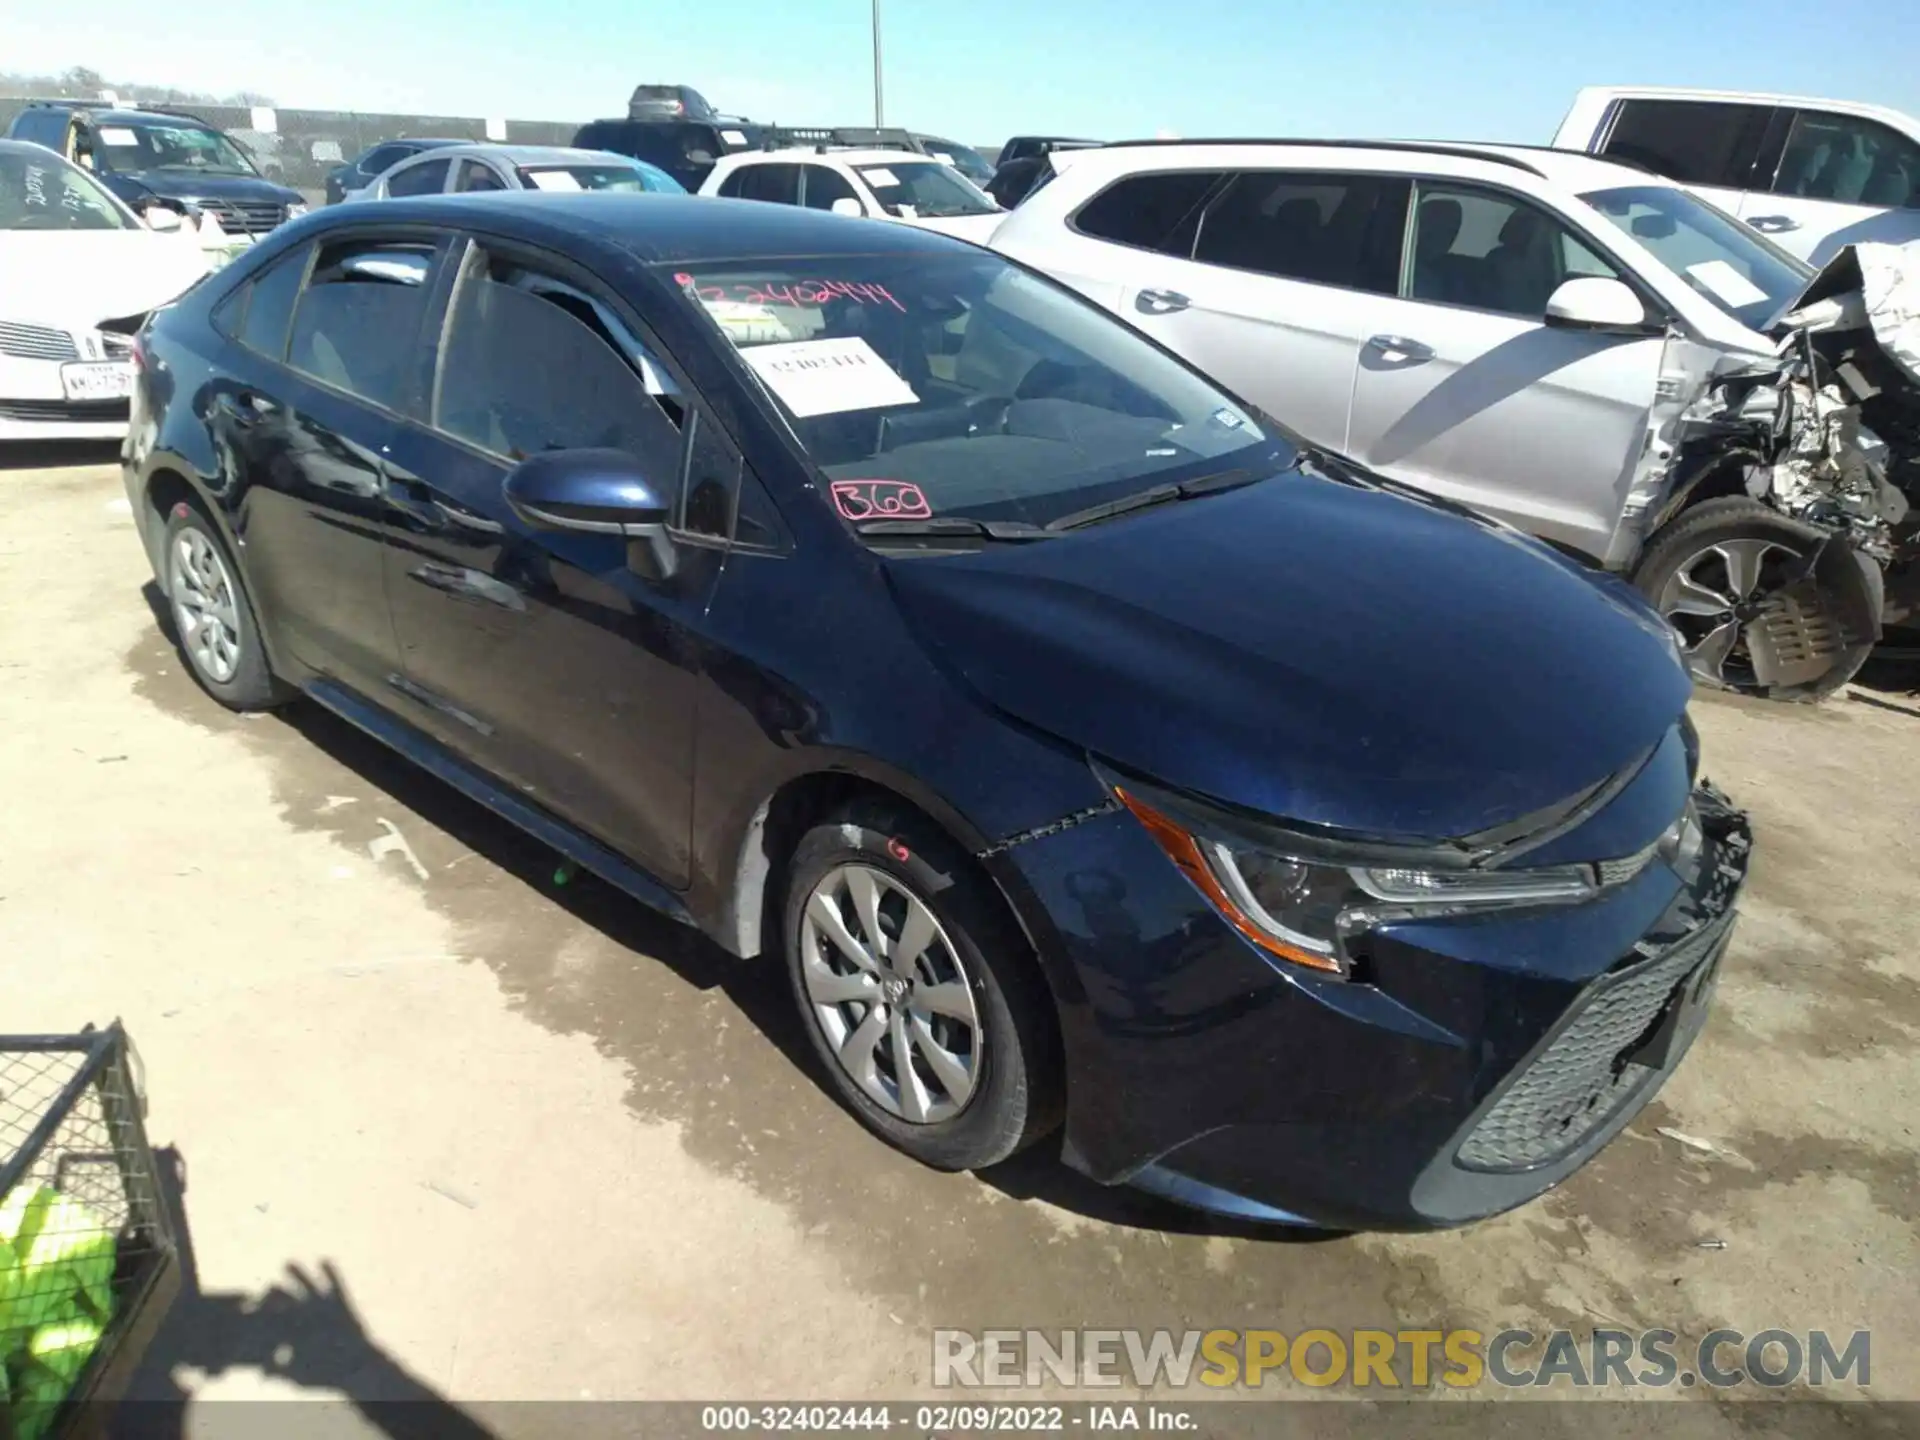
x: 457, y: 169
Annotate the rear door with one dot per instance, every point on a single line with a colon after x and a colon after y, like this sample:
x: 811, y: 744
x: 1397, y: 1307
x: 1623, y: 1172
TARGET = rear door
x: 544, y: 655
x: 426, y: 176
x: 1287, y: 271
x: 335, y: 329
x: 776, y: 182
x: 475, y: 175
x: 1839, y: 179
x: 1463, y: 390
x: 1710, y: 146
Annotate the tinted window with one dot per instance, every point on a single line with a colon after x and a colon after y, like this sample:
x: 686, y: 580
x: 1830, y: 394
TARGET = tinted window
x: 429, y: 177
x: 529, y: 367
x: 357, y: 322
x: 1849, y: 160
x: 1696, y: 142
x: 1329, y: 229
x: 381, y: 156
x: 1149, y: 212
x: 269, y: 304
x: 1493, y: 252
x: 477, y: 176
x: 824, y: 186
x: 779, y: 184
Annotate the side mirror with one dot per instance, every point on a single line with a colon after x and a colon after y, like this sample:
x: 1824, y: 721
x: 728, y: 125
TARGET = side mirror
x: 601, y: 492
x: 159, y: 217
x: 1593, y: 302
x: 849, y: 206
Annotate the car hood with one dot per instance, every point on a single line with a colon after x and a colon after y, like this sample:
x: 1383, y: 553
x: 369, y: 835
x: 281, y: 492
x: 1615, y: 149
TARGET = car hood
x: 77, y: 278
x: 192, y: 185
x: 1312, y: 650
x: 977, y: 228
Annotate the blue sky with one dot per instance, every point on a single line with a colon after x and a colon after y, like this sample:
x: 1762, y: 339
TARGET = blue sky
x: 980, y: 70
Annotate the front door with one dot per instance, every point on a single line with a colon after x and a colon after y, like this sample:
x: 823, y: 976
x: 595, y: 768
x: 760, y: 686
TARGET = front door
x: 545, y: 655
x: 1462, y: 389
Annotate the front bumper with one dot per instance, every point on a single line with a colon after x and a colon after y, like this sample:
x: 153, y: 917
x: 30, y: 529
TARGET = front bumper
x: 1480, y: 1061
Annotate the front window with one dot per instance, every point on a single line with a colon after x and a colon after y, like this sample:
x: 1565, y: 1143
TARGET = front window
x: 960, y: 387
x: 173, y: 146
x: 40, y: 191
x: 1739, y: 270
x: 964, y: 158
x: 924, y: 188
x: 594, y: 177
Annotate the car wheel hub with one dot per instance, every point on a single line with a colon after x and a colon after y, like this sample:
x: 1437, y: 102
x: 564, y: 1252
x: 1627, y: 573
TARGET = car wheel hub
x: 890, y: 994
x: 205, y: 608
x: 1713, y: 596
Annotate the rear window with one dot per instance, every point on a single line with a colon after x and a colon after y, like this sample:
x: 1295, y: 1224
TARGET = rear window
x: 935, y: 384
x: 1697, y: 142
x: 359, y: 319
x: 1343, y: 230
x: 1149, y: 212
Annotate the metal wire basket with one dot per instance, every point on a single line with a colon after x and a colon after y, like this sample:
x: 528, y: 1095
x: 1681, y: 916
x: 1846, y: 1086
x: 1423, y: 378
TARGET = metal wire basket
x: 88, y: 1262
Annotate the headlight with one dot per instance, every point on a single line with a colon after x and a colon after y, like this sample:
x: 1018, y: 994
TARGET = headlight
x: 296, y: 209
x: 1303, y: 910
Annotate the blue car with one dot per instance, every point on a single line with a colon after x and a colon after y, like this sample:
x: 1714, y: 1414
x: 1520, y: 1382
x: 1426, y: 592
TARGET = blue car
x: 1093, y: 756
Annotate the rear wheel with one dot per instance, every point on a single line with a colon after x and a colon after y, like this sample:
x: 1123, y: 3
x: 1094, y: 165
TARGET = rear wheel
x: 918, y: 992
x: 212, y: 617
x: 1736, y: 580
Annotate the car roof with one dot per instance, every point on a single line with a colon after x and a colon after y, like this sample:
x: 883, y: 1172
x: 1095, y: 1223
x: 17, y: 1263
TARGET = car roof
x: 528, y: 154
x: 1567, y: 169
x: 654, y: 228
x: 741, y: 158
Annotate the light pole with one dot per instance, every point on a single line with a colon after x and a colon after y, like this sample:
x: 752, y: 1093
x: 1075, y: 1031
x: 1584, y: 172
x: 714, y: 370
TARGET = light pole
x: 879, y: 101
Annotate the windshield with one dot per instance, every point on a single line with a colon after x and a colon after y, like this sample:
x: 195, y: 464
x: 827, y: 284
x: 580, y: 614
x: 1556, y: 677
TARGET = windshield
x: 40, y: 191
x: 965, y: 159
x: 637, y: 176
x: 182, y: 145
x: 925, y: 188
x: 1738, y: 269
x: 937, y: 385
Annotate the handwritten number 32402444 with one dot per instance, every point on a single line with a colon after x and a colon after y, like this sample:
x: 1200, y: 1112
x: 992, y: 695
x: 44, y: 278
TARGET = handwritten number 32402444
x: 800, y: 292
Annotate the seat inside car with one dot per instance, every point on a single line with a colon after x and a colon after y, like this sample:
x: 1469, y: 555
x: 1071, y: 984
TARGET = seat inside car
x: 1438, y: 273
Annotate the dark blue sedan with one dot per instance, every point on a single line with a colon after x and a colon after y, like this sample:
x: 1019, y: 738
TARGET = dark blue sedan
x: 1092, y: 754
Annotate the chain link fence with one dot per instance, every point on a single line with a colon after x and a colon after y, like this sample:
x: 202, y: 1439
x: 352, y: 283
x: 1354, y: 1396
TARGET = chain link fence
x: 298, y: 147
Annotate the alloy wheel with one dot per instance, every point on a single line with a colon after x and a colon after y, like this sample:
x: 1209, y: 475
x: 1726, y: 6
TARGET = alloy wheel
x: 205, y: 606
x: 889, y: 991
x: 1711, y: 598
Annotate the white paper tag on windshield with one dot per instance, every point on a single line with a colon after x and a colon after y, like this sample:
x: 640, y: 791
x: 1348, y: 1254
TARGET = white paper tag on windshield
x: 878, y: 177
x: 553, y: 180
x: 825, y: 377
x: 734, y: 137
x: 117, y: 135
x: 944, y: 159
x: 1726, y: 282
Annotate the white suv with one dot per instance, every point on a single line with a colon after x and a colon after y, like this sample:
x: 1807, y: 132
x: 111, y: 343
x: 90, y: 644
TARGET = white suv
x: 884, y: 184
x: 1570, y: 344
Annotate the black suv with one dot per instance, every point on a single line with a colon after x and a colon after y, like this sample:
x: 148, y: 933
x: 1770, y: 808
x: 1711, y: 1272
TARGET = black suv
x: 162, y: 157
x: 685, y: 149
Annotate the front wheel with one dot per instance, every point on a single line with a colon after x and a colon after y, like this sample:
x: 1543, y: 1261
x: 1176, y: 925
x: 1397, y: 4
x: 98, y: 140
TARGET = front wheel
x: 1758, y: 604
x: 919, y: 993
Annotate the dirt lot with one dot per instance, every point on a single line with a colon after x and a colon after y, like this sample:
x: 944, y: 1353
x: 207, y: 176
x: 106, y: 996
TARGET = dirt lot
x: 557, y: 1148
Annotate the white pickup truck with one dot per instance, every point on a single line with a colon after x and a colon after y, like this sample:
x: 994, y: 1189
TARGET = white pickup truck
x: 1815, y: 175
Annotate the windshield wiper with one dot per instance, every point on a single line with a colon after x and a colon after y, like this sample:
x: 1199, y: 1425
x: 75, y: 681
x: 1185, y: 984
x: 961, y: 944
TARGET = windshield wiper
x: 1154, y: 495
x: 941, y: 526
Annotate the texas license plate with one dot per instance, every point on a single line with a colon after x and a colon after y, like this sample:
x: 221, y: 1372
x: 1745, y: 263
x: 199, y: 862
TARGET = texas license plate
x: 97, y: 380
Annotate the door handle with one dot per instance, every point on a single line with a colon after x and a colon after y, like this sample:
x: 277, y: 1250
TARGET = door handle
x: 1400, y: 347
x: 416, y: 500
x: 1160, y: 302
x: 246, y: 407
x: 1774, y: 224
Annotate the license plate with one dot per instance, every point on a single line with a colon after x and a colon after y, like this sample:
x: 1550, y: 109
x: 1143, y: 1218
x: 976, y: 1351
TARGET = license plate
x: 97, y: 380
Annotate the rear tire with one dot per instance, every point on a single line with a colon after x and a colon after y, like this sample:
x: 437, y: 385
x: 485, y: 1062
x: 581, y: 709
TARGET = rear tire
x: 213, y: 616
x: 966, y: 1015
x: 1704, y: 571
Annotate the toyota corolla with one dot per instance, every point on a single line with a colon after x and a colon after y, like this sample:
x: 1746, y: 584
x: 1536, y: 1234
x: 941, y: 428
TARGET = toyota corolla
x: 1093, y: 756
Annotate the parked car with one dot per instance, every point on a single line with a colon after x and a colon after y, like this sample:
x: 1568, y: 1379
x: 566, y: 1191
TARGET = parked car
x: 893, y: 185
x: 164, y: 159
x: 881, y: 607
x: 1814, y: 175
x: 1021, y: 146
x: 686, y: 150
x: 964, y: 158
x: 457, y: 169
x: 669, y: 102
x: 344, y: 182
x: 1581, y: 348
x: 78, y: 273
x: 1015, y: 180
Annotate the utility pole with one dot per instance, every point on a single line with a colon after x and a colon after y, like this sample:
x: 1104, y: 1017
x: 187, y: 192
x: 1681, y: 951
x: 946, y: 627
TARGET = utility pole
x: 879, y: 101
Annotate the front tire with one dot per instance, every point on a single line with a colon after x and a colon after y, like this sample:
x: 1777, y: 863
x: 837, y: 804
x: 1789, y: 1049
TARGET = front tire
x: 918, y: 992
x: 213, y: 617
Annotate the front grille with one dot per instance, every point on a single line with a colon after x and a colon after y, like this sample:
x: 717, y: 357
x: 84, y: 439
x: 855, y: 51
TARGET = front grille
x: 1582, y: 1077
x: 36, y: 342
x: 77, y: 412
x: 245, y: 217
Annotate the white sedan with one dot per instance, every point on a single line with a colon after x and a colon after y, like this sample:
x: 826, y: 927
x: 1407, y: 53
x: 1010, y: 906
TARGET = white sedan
x: 893, y: 185
x: 78, y: 272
